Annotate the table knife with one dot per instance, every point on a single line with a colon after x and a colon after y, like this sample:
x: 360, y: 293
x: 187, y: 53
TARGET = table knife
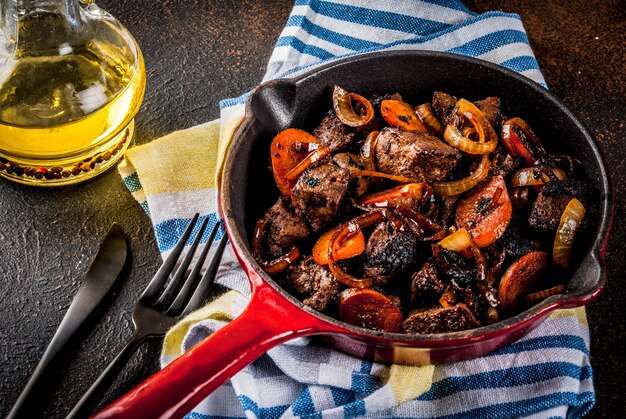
x: 106, y: 268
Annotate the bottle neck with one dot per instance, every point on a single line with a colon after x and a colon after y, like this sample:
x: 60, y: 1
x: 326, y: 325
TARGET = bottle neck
x: 40, y: 23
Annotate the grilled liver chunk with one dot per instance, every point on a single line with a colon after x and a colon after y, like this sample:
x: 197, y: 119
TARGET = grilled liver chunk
x: 314, y: 282
x: 284, y: 228
x: 552, y: 200
x: 440, y: 320
x: 333, y: 133
x: 416, y: 155
x: 318, y: 194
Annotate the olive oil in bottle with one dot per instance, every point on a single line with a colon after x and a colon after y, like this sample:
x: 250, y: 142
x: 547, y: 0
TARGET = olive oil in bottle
x: 71, y: 83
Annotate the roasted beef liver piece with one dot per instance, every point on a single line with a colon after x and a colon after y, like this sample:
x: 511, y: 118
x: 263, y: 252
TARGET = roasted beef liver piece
x: 313, y: 282
x: 390, y: 254
x: 491, y: 108
x: 426, y: 285
x: 548, y: 207
x: 284, y: 228
x: 443, y: 105
x: 333, y: 133
x: 440, y: 320
x: 318, y: 194
x: 416, y: 155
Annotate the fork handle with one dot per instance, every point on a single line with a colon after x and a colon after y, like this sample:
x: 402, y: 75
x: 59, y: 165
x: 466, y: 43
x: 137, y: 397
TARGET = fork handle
x: 269, y: 319
x: 99, y: 388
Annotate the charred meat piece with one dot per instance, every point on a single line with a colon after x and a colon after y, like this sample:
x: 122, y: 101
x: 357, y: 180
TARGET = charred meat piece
x: 390, y: 253
x: 333, y: 133
x: 491, y: 108
x: 502, y: 164
x: 426, y: 285
x: 316, y: 285
x: 440, y: 320
x: 353, y: 163
x: 552, y: 200
x: 318, y: 194
x: 443, y: 105
x: 516, y: 243
x: 284, y: 228
x: 416, y: 155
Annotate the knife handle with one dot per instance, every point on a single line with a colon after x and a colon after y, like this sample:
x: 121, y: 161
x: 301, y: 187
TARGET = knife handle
x: 76, y: 315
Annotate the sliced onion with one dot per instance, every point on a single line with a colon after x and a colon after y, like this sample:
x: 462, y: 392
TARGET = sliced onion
x: 280, y: 263
x: 457, y: 241
x: 414, y: 218
x: 568, y: 226
x: 514, y: 144
x: 456, y: 139
x: 391, y: 197
x: 368, y: 151
x: 308, y: 161
x: 342, y: 103
x: 369, y: 173
x: 428, y: 118
x: 448, y: 298
x: 340, y: 235
x: 456, y: 187
x: 487, y: 138
x: 534, y: 176
x: 543, y: 294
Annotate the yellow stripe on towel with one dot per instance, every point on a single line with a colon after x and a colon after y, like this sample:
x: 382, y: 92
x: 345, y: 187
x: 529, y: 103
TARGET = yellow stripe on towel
x: 579, y: 313
x: 409, y: 382
x: 192, y: 151
x: 222, y: 308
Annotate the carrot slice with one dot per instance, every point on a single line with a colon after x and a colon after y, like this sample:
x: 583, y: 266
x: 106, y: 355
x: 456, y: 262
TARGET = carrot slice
x: 485, y: 218
x: 288, y: 149
x: 370, y: 309
x: 352, y: 245
x: 520, y: 278
x: 401, y: 114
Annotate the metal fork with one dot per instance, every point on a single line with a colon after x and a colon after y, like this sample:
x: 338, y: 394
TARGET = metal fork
x: 160, y: 307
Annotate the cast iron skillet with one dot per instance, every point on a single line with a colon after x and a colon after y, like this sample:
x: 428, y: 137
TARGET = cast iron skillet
x: 273, y: 316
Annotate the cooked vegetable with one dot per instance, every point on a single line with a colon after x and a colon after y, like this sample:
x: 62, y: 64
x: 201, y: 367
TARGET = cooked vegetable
x: 457, y: 187
x: 288, y: 149
x: 280, y: 263
x: 568, y: 226
x: 401, y: 114
x: 457, y: 241
x: 535, y: 297
x: 428, y: 118
x: 527, y: 145
x: 407, y: 194
x: 353, y: 245
x: 523, y: 274
x: 342, y: 103
x: 370, y: 309
x: 487, y: 138
x: 339, y: 236
x: 486, y: 212
x: 310, y: 160
x: 368, y: 151
x: 535, y: 176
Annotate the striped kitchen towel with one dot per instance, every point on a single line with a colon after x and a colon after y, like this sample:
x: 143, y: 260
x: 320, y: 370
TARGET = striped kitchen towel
x: 545, y: 374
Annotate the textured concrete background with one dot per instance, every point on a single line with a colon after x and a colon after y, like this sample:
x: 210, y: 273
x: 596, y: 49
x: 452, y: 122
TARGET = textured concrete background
x: 198, y: 52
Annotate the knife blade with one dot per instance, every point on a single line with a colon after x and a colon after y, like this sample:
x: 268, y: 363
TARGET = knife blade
x: 103, y: 273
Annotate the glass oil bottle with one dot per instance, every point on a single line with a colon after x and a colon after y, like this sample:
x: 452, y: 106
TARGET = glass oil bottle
x: 72, y: 79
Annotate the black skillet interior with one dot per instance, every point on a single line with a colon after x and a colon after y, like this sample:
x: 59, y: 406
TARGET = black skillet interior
x: 301, y: 102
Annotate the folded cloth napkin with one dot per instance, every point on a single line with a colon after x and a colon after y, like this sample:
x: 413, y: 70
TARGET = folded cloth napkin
x: 545, y: 374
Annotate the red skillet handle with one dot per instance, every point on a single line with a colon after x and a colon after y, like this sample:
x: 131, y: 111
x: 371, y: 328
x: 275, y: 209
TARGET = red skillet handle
x: 269, y: 319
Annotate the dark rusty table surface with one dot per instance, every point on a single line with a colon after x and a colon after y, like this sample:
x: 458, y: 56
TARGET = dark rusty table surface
x: 198, y: 52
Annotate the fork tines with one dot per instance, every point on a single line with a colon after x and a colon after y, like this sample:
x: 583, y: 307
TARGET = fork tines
x: 185, y: 293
